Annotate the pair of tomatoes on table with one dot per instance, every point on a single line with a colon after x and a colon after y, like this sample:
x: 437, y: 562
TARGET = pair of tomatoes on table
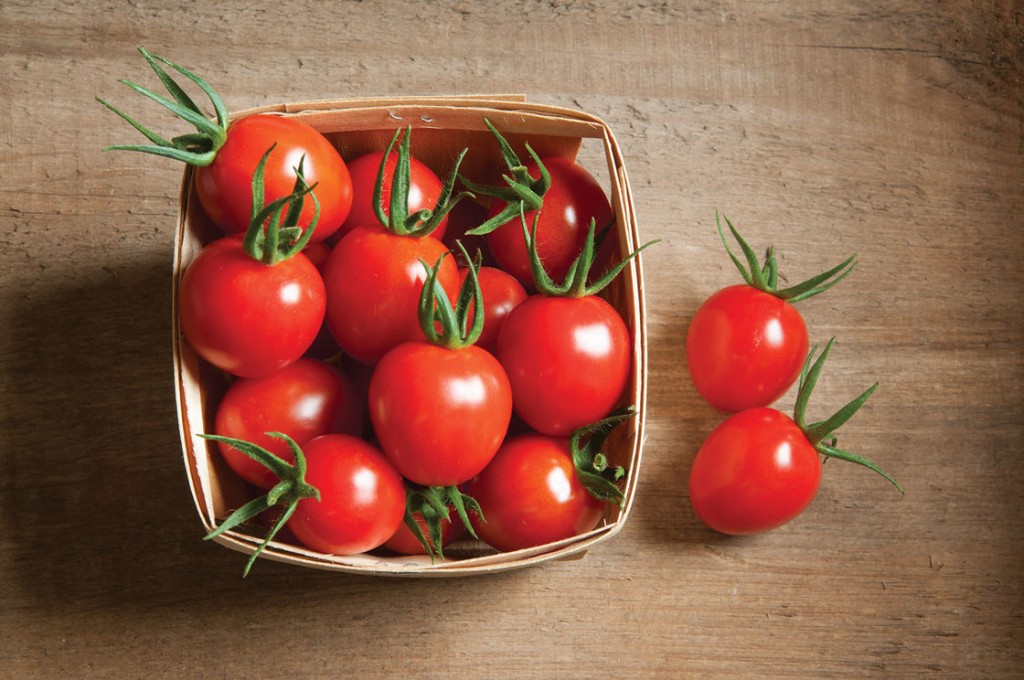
x: 746, y: 346
x: 470, y: 394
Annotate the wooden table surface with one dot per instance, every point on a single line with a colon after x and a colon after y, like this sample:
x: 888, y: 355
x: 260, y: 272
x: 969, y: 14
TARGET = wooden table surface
x: 893, y: 130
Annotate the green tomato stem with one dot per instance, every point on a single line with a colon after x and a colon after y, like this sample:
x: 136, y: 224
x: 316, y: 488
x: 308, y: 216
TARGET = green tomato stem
x: 198, y: 148
x: 817, y: 432
x: 291, y: 489
x: 592, y: 465
x: 273, y: 234
x: 764, y: 277
x: 398, y: 220
x: 435, y: 309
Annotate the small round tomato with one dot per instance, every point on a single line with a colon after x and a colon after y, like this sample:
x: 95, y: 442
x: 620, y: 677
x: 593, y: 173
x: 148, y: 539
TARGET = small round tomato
x: 439, y: 414
x: 245, y: 317
x: 754, y: 472
x: 747, y: 342
x: 570, y: 203
x: 502, y: 293
x: 530, y: 495
x: 224, y: 187
x: 745, y: 347
x: 374, y: 279
x: 760, y: 468
x: 226, y: 154
x: 362, y: 497
x: 568, y: 361
x: 425, y: 189
x: 303, y: 400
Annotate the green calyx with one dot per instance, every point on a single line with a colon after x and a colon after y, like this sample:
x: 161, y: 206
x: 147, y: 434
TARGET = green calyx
x: 434, y: 504
x: 522, y: 194
x: 577, y: 279
x: 291, y: 489
x: 818, y: 432
x: 765, y: 276
x: 592, y: 468
x: 273, y: 234
x: 398, y: 220
x: 198, y: 148
x: 442, y: 324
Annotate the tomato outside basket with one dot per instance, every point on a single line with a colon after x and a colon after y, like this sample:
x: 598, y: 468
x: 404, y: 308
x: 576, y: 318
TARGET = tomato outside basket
x: 443, y: 126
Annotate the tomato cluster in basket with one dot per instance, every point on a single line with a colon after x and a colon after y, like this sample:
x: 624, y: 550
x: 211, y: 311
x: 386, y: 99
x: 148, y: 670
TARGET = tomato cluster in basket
x: 389, y: 389
x: 746, y: 346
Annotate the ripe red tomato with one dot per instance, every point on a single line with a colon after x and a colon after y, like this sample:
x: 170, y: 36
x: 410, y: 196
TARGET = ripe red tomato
x: 573, y: 199
x: 425, y: 189
x: 754, y: 472
x: 245, y: 317
x: 439, y: 414
x: 362, y: 497
x: 746, y: 343
x: 745, y: 348
x: 502, y: 293
x: 760, y: 468
x: 224, y: 187
x: 303, y: 400
x: 373, y: 280
x: 567, y: 359
x: 530, y: 495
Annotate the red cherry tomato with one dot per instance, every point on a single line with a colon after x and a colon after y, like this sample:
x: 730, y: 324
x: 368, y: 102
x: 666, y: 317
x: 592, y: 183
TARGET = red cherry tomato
x: 755, y: 471
x: 567, y: 359
x: 303, y: 400
x: 362, y: 497
x: 424, y: 190
x: 439, y: 414
x: 572, y: 200
x: 245, y: 317
x: 374, y: 279
x: 405, y: 542
x: 745, y: 348
x: 530, y: 495
x: 224, y: 187
x: 502, y: 293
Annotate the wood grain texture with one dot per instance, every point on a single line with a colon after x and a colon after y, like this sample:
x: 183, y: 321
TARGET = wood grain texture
x: 825, y: 128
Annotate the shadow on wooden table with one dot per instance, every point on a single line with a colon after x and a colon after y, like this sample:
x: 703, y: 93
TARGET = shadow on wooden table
x: 96, y: 500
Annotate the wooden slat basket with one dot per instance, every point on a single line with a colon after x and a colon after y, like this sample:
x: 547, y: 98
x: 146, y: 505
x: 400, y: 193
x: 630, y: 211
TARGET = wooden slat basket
x: 442, y: 126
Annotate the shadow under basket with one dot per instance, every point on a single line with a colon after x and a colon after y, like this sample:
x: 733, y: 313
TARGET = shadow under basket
x: 442, y: 127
